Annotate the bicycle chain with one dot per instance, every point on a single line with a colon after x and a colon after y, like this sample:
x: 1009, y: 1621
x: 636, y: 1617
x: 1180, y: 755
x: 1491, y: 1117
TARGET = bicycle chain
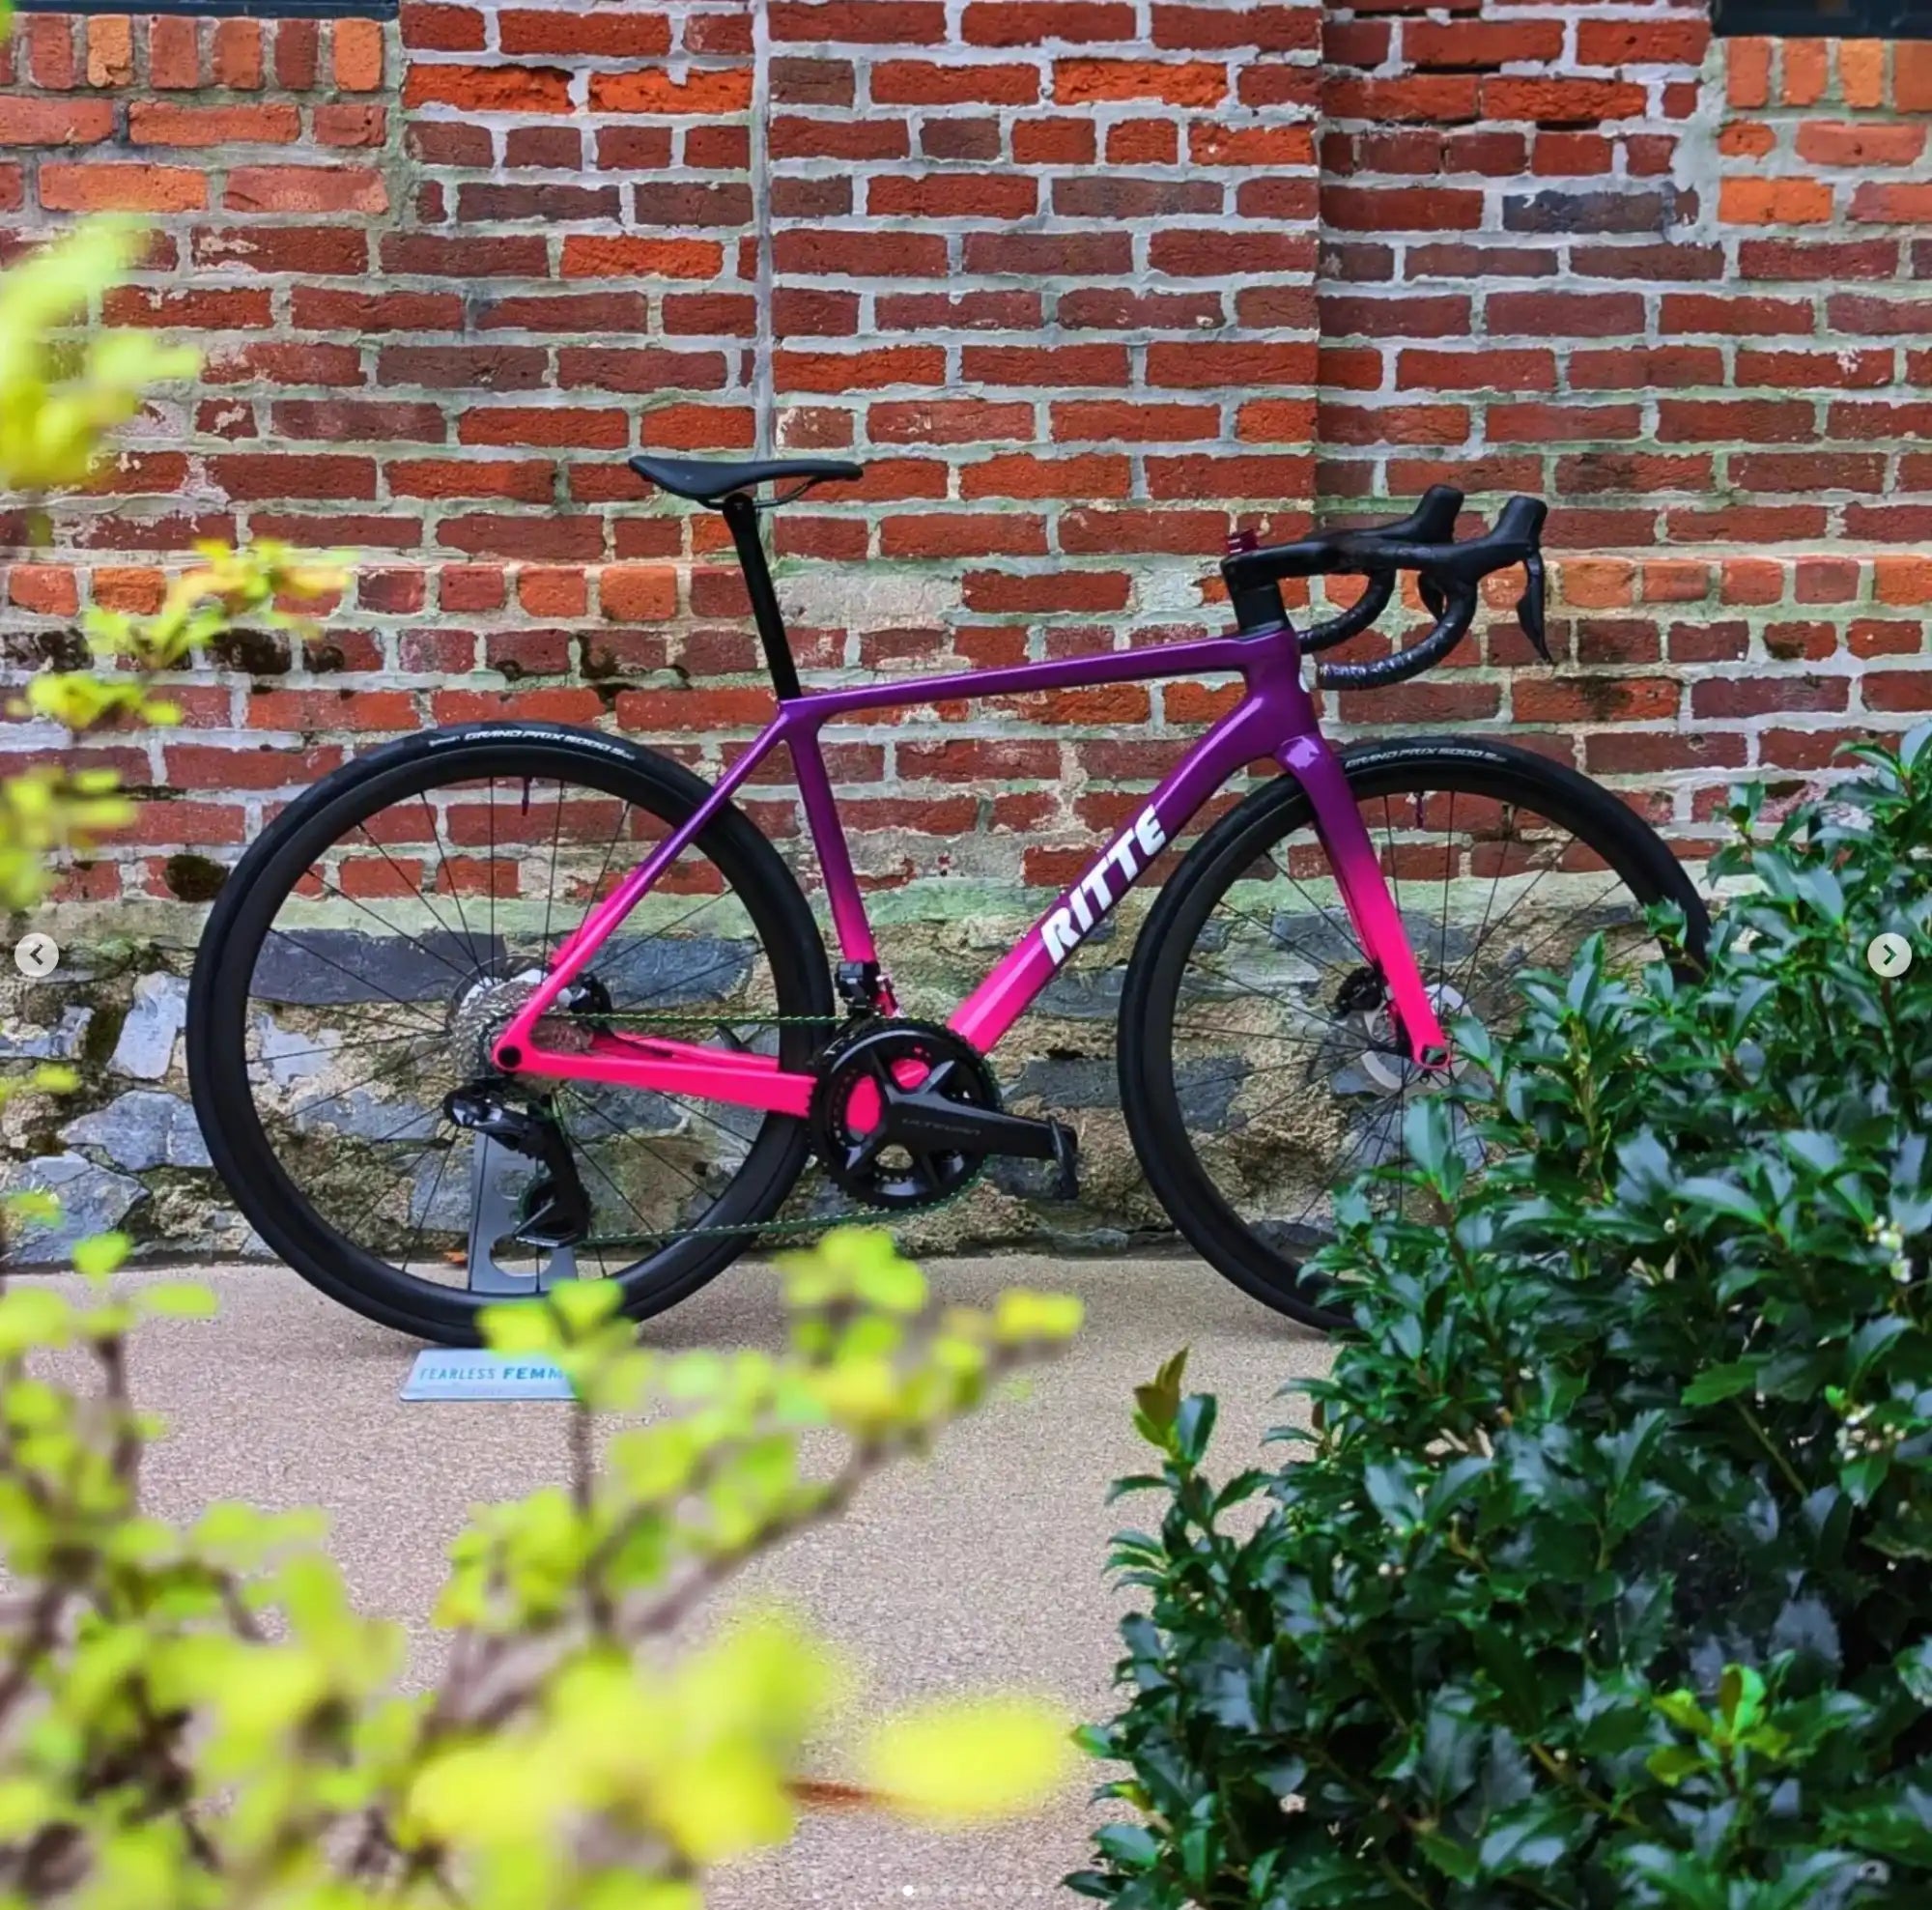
x: 761, y: 1229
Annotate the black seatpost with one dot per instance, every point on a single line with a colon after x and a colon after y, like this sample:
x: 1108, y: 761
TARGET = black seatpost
x: 742, y: 515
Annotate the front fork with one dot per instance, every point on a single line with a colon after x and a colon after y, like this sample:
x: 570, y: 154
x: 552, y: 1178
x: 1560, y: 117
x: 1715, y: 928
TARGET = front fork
x: 1351, y: 855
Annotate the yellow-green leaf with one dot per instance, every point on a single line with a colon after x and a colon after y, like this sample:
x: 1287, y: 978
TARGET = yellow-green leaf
x: 964, y: 1763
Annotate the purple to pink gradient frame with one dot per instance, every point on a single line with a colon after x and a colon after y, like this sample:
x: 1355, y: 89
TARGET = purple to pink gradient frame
x: 1275, y: 717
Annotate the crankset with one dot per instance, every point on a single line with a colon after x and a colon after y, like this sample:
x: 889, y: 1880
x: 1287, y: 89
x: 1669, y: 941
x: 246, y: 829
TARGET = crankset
x: 556, y: 1209
x: 905, y: 1115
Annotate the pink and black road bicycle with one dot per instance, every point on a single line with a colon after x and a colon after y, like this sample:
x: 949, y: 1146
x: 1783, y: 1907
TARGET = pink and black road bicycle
x: 509, y: 1003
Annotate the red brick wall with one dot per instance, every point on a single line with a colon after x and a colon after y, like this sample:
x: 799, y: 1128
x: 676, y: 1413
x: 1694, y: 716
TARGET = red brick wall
x: 1681, y: 290
x: 1050, y: 268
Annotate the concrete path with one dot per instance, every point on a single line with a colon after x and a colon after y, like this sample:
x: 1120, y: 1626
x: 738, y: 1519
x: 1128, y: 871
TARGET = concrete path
x: 980, y: 1569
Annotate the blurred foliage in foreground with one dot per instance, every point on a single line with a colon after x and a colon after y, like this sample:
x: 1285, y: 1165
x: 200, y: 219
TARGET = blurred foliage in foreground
x: 199, y: 1718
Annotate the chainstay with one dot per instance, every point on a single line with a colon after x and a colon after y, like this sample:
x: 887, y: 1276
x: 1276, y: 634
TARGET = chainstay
x: 775, y: 1229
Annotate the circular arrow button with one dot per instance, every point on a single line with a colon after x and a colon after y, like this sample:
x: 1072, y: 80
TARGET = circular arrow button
x: 1888, y: 956
x: 37, y: 956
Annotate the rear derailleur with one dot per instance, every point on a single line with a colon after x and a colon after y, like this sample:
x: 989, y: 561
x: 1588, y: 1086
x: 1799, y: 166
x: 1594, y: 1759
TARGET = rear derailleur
x: 556, y: 1209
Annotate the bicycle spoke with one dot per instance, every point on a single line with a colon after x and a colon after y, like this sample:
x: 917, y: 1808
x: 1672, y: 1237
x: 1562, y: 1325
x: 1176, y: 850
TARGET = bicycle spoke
x: 590, y: 1108
x: 550, y: 886
x: 428, y: 1206
x: 442, y: 869
x: 428, y: 1023
x: 1281, y: 1001
x: 391, y: 928
x: 610, y: 850
x: 343, y: 1047
x: 1346, y: 934
x: 1276, y: 1119
x: 596, y: 1166
x: 383, y: 851
x: 366, y: 1081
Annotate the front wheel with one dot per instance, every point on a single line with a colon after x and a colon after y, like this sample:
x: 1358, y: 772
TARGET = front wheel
x: 1259, y: 1071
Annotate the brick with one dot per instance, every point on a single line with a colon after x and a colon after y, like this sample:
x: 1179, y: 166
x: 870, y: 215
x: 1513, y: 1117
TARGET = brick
x: 174, y: 53
x: 297, y: 54
x: 305, y: 189
x: 1890, y: 204
x: 1861, y: 73
x: 1902, y: 580
x: 110, y: 49
x: 1579, y: 314
x: 1826, y: 143
x: 1476, y: 370
x: 1047, y: 22
x: 1747, y: 73
x: 1672, y: 42
x: 1400, y: 208
x: 1773, y: 202
x: 55, y: 122
x: 164, y: 122
x: 238, y: 55
x: 1734, y: 317
x: 1562, y: 101
x: 1431, y: 99
x: 505, y: 89
x: 637, y: 593
x: 50, y: 52
x: 597, y: 257
x: 1804, y: 65
x: 356, y: 48
x: 1476, y: 43
x: 1087, y: 82
x: 115, y: 188
x: 609, y: 36
x: 1912, y: 76
x: 438, y: 28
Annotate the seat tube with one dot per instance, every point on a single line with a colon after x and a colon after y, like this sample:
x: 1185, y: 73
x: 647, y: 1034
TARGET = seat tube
x: 1351, y: 855
x: 849, y: 920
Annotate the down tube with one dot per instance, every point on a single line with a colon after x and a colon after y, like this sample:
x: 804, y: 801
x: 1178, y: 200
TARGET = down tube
x: 1249, y: 734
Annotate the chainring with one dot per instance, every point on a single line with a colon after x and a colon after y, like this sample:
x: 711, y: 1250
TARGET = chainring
x: 856, y: 1073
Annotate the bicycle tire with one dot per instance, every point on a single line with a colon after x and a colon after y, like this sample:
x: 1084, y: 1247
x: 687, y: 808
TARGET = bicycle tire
x: 1151, y: 1099
x: 244, y: 915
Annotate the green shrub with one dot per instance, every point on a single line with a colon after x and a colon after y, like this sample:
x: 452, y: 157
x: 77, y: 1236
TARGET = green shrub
x: 1608, y: 1577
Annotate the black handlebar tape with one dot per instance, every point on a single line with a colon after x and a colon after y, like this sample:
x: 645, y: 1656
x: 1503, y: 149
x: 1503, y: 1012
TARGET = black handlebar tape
x: 1354, y: 619
x: 1458, y: 611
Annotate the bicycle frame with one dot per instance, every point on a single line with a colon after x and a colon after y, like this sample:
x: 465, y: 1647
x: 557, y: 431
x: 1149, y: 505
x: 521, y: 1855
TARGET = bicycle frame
x: 1275, y: 719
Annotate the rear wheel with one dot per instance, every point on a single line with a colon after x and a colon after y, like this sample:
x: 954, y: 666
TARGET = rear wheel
x: 1259, y: 1068
x: 374, y: 942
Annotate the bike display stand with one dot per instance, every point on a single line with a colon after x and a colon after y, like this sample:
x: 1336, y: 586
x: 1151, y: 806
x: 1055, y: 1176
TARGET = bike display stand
x: 496, y: 1207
